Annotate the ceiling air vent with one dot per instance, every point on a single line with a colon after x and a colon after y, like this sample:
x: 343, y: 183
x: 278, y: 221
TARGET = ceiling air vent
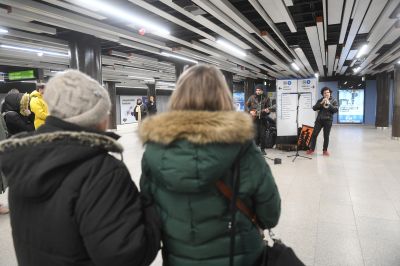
x: 195, y: 10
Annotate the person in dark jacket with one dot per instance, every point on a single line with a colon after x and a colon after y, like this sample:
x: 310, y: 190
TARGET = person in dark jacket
x: 72, y: 202
x: 258, y: 106
x: 326, y: 107
x: 152, y: 106
x: 17, y: 114
x: 3, y: 181
x: 187, y: 150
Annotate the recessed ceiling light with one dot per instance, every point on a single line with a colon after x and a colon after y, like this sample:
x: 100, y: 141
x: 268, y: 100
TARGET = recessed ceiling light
x: 295, y: 67
x: 362, y: 51
x: 231, y: 47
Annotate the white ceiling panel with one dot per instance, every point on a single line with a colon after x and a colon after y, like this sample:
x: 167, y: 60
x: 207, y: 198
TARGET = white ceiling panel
x: 346, y: 19
x: 278, y: 12
x: 288, y: 2
x: 360, y: 12
x: 320, y: 29
x: 331, y: 58
x: 351, y: 54
x: 335, y: 8
x: 312, y: 35
x: 374, y: 10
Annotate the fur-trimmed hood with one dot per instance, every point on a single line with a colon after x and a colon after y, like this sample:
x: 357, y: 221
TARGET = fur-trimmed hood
x: 199, y: 127
x: 89, y: 139
x: 37, y: 164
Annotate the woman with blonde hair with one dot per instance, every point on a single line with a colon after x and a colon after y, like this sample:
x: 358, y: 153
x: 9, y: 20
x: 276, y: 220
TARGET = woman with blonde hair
x: 188, y: 150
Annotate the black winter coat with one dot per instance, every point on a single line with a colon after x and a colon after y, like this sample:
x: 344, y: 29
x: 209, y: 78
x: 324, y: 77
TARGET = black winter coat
x: 15, y: 121
x: 326, y: 113
x: 73, y: 203
x: 152, y: 108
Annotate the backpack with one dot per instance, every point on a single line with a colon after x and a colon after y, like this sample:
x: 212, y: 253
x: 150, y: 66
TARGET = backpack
x: 270, y: 137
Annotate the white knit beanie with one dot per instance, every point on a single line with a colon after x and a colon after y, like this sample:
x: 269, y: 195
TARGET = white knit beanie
x: 77, y: 98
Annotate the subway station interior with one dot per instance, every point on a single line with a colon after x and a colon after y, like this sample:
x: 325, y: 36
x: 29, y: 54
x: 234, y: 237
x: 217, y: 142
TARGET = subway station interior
x: 337, y: 208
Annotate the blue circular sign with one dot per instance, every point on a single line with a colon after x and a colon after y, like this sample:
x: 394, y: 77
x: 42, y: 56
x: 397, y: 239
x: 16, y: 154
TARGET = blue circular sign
x: 289, y: 82
x: 308, y: 81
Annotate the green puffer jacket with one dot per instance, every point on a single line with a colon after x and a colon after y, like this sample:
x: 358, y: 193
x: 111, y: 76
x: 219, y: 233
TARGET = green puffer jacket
x: 186, y: 153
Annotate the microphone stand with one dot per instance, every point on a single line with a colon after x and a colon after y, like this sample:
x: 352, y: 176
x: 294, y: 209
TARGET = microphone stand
x: 297, y: 128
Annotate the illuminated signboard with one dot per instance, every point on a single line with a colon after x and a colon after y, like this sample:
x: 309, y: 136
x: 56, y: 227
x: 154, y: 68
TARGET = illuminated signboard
x: 351, y: 106
x: 22, y: 75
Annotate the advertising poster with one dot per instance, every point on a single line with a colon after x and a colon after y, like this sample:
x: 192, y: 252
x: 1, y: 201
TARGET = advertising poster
x: 305, y: 137
x: 238, y: 99
x: 286, y: 107
x: 351, y: 106
x: 127, y: 104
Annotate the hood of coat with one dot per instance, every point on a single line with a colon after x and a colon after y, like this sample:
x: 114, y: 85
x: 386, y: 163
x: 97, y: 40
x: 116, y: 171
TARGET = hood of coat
x: 198, y: 127
x: 187, y: 151
x: 17, y: 102
x: 36, y: 164
x: 12, y: 102
x: 37, y: 94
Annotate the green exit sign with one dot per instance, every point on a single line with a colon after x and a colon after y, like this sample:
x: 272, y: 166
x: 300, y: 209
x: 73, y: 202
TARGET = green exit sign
x: 21, y: 75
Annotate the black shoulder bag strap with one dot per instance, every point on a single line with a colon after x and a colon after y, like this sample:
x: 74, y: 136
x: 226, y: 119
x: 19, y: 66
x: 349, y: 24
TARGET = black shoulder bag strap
x: 235, y: 204
x: 233, y: 209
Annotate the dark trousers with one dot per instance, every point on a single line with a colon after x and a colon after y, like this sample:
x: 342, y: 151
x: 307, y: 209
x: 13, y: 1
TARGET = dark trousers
x: 261, y: 131
x: 319, y: 124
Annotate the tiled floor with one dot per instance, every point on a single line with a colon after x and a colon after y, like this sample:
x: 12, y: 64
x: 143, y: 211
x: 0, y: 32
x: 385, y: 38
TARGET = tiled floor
x: 337, y: 210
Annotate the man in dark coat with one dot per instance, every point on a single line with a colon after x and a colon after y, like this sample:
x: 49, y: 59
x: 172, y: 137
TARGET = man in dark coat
x: 326, y: 107
x: 72, y: 202
x: 258, y: 106
x: 152, y: 106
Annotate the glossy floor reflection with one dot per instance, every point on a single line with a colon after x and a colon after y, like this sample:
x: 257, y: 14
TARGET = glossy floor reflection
x: 337, y: 210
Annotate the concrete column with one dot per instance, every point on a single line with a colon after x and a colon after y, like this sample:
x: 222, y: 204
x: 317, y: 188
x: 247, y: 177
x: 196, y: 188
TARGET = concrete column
x: 229, y: 79
x: 85, y: 54
x: 248, y: 88
x: 110, y: 86
x: 40, y: 77
x: 396, y: 103
x: 179, y: 68
x: 382, y: 101
x: 151, y: 90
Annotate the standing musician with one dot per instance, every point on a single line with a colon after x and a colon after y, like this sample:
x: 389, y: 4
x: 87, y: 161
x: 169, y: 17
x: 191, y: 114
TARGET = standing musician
x: 258, y: 105
x: 326, y: 107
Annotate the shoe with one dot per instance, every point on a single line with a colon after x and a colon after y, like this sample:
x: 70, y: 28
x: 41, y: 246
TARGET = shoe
x: 310, y: 152
x: 4, y: 209
x: 263, y: 152
x: 325, y: 153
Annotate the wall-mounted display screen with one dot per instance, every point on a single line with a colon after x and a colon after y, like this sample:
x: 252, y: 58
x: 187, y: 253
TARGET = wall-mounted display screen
x: 351, y: 106
x: 22, y: 75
